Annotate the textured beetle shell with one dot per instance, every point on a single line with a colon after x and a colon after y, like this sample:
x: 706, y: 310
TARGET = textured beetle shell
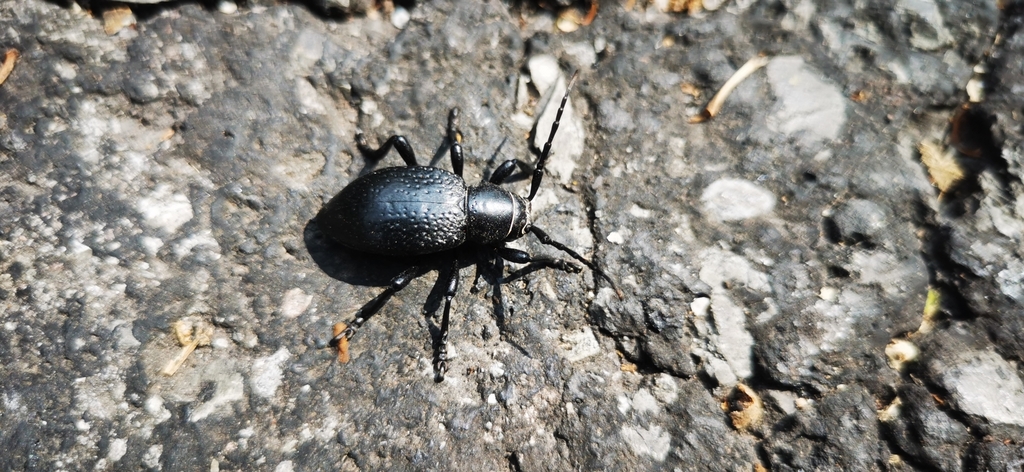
x: 399, y: 211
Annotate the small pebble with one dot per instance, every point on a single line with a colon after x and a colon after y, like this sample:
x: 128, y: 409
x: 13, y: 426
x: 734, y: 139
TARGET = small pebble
x: 227, y: 7
x: 400, y: 17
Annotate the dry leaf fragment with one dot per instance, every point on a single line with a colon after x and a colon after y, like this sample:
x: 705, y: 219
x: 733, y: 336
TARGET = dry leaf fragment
x: 342, y: 345
x: 116, y: 19
x: 624, y: 365
x: 942, y: 166
x: 8, y: 65
x: 690, y: 89
x: 715, y: 105
x: 691, y: 7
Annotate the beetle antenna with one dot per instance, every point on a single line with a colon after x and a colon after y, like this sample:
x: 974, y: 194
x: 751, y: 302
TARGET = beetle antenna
x: 538, y: 173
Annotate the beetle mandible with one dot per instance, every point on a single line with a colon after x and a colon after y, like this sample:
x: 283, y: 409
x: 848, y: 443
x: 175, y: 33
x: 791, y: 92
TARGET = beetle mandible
x: 418, y: 210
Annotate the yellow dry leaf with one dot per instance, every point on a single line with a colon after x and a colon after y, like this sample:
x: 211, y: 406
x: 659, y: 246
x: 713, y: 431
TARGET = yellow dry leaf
x: 942, y: 166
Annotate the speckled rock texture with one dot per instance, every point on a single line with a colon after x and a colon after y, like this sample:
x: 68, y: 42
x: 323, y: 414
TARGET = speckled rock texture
x: 801, y: 291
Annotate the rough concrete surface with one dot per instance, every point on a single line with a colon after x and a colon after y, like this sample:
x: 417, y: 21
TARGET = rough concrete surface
x: 826, y: 275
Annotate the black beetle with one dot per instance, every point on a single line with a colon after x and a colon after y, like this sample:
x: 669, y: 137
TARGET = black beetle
x: 417, y: 210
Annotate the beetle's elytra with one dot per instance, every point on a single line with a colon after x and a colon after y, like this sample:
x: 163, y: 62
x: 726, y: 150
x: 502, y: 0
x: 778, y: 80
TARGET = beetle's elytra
x: 400, y: 211
x: 417, y: 210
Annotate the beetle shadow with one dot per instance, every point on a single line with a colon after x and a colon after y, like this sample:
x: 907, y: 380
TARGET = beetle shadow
x: 346, y: 265
x: 492, y: 269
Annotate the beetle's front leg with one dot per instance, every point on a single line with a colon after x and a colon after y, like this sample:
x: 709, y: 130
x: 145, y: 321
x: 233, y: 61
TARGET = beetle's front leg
x: 534, y: 263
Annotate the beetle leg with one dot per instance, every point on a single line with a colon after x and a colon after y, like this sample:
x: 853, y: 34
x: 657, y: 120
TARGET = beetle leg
x: 457, y: 158
x: 441, y: 365
x: 455, y: 141
x: 505, y: 170
x: 535, y: 263
x: 538, y: 172
x: 546, y: 240
x: 373, y: 306
x: 397, y: 141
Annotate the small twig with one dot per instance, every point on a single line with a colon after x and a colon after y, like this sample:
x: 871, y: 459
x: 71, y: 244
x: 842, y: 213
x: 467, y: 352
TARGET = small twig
x: 715, y: 105
x: 190, y: 336
x: 8, y: 65
x: 591, y: 14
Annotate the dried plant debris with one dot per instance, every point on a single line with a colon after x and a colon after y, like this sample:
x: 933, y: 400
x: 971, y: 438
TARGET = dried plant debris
x: 342, y: 345
x: 690, y: 89
x: 891, y: 411
x: 746, y: 408
x: 591, y: 13
x: 570, y: 19
x: 860, y: 96
x: 116, y: 19
x: 691, y: 7
x: 901, y: 352
x: 942, y: 165
x: 932, y: 306
x: 715, y: 105
x: 8, y: 65
x: 191, y: 333
x: 624, y: 365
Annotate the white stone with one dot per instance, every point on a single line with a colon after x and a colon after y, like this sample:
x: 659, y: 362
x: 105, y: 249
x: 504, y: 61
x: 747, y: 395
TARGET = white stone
x: 736, y: 199
x: 988, y: 386
x: 228, y: 388
x: 734, y: 342
x: 644, y: 402
x: 809, y: 107
x: 400, y: 17
x: 718, y: 267
x: 580, y: 345
x: 267, y: 373
x: 227, y: 7
x: 666, y: 389
x: 654, y: 441
x: 165, y: 210
x: 294, y: 303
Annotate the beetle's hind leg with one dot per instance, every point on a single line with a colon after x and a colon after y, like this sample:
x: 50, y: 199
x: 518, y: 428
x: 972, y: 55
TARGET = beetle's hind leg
x: 373, y: 306
x: 397, y: 141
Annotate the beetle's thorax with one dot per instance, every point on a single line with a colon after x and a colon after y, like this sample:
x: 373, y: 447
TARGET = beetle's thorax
x: 495, y: 215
